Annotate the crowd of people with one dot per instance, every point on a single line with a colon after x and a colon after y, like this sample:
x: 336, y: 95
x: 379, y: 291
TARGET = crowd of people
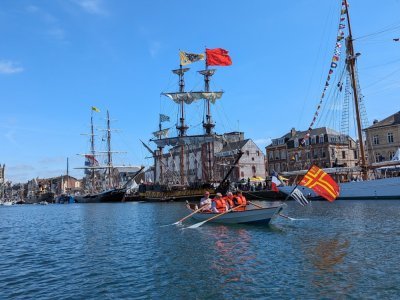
x: 219, y: 204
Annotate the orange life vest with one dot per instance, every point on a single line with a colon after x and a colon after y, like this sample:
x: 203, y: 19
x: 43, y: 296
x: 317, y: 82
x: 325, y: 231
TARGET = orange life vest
x: 240, y: 200
x: 229, y: 201
x: 220, y: 204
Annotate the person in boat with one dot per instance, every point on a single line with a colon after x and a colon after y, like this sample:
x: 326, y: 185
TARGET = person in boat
x: 229, y: 200
x: 206, y: 202
x: 238, y: 200
x: 218, y: 204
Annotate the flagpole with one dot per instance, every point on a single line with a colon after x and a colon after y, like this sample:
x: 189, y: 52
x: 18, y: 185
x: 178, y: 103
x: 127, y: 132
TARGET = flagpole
x: 288, y: 196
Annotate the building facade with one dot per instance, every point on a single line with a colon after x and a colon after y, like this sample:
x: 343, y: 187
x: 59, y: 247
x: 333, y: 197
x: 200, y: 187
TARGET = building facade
x: 383, y: 139
x: 209, y: 161
x: 324, y: 147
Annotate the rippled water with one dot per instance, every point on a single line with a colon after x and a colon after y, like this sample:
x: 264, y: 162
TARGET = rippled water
x: 106, y: 251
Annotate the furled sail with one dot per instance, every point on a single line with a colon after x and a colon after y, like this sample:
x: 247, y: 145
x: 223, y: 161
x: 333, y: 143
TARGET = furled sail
x: 186, y: 140
x: 161, y: 133
x: 190, y: 97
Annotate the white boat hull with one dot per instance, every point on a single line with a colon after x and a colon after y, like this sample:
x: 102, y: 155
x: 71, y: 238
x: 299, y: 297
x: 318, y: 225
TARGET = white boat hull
x: 385, y: 188
x: 252, y: 216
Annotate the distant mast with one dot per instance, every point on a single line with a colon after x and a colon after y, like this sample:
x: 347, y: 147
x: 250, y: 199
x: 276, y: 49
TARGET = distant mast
x: 93, y: 152
x: 109, y: 155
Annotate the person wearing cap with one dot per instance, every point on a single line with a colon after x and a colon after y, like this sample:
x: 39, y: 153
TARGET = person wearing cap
x: 206, y: 202
x: 218, y: 204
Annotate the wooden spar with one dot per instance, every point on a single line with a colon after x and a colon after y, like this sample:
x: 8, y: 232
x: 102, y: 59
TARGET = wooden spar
x: 351, y: 61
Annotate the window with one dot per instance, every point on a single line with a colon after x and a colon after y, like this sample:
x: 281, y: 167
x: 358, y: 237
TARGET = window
x: 258, y: 153
x: 242, y: 174
x: 375, y: 140
x: 321, y: 139
x: 247, y: 152
x: 283, y: 154
x: 378, y: 157
x: 274, y: 142
x: 313, y: 138
x: 307, y: 141
x: 252, y: 158
x: 390, y: 137
x: 343, y: 154
x: 333, y: 153
x: 271, y: 155
x: 323, y: 153
x: 253, y: 168
x: 296, y: 142
x: 355, y: 154
x: 281, y: 141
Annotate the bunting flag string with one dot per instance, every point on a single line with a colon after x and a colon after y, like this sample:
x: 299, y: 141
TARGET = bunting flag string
x: 333, y: 66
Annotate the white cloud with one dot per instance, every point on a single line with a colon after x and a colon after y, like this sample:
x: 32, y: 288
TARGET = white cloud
x: 10, y: 67
x: 92, y: 6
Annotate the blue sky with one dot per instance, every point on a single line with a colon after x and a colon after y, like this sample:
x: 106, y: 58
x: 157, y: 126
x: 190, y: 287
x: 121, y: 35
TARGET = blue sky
x: 60, y: 57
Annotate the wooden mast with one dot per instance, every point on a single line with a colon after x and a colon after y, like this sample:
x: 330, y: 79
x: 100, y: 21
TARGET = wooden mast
x: 182, y: 127
x: 92, y: 151
x: 208, y: 124
x: 109, y: 156
x: 351, y: 61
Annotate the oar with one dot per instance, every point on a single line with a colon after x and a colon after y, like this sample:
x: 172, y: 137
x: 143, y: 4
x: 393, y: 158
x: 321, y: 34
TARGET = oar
x: 281, y: 215
x: 188, y: 216
x: 212, y: 218
x: 256, y: 205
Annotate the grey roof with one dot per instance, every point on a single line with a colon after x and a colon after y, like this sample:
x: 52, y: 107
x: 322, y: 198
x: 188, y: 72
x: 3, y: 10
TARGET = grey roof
x: 234, y: 145
x: 389, y: 121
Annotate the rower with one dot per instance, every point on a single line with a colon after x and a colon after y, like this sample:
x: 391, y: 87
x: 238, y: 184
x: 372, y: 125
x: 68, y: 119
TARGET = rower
x: 206, y: 202
x: 229, y: 200
x: 238, y: 200
x: 218, y: 204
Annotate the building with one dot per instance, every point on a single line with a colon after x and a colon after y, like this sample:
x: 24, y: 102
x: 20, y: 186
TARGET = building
x: 383, y: 139
x: 323, y: 147
x: 208, y: 158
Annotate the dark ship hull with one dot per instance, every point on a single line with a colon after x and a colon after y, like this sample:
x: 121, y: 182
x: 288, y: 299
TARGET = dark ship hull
x: 110, y: 196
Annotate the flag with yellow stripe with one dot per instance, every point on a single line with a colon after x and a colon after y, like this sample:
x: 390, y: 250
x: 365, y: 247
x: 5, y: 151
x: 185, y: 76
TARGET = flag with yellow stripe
x: 321, y: 183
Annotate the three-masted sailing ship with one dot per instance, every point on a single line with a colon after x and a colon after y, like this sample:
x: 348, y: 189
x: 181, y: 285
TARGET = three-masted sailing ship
x: 187, y: 169
x: 100, y: 182
x: 367, y: 186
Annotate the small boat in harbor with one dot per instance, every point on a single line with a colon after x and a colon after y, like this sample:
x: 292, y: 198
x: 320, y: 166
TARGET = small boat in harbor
x: 260, y: 216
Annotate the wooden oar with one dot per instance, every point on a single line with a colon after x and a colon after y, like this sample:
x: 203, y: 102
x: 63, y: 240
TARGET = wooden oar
x: 188, y: 216
x: 256, y: 205
x: 281, y: 215
x: 214, y: 217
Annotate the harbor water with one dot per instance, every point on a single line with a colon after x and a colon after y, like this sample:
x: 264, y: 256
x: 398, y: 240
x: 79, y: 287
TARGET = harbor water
x: 344, y: 249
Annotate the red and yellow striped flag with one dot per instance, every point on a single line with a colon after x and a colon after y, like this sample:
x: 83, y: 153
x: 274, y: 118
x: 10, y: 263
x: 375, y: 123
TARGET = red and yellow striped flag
x: 321, y: 183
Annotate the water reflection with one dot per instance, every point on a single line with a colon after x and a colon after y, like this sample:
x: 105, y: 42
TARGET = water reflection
x: 328, y: 260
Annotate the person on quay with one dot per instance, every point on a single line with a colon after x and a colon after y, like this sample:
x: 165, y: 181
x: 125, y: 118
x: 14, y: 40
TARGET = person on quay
x: 238, y: 200
x: 206, y: 202
x: 218, y: 204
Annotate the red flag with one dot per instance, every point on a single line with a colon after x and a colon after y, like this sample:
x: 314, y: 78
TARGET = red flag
x: 321, y: 183
x: 218, y: 57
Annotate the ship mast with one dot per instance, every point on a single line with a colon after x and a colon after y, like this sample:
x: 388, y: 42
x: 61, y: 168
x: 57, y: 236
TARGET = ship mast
x: 93, y: 152
x: 351, y: 62
x: 109, y: 156
x: 181, y: 127
x: 208, y: 124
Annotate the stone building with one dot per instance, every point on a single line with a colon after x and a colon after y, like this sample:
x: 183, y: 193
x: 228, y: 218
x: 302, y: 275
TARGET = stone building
x: 324, y: 147
x: 208, y: 159
x: 383, y: 139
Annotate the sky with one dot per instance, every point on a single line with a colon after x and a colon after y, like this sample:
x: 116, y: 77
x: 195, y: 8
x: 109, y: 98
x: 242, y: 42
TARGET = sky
x: 60, y: 57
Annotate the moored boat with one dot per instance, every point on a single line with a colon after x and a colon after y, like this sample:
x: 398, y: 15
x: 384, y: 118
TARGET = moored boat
x: 261, y: 216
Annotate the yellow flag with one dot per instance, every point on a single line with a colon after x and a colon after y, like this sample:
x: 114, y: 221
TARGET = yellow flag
x: 188, y: 58
x: 94, y: 108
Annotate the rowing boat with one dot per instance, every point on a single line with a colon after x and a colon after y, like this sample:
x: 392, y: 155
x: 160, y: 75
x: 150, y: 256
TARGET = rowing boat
x: 260, y: 216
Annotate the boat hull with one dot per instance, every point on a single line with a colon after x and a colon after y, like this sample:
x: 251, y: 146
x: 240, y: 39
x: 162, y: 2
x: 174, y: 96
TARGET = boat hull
x: 385, y: 188
x: 261, y: 216
x: 110, y: 196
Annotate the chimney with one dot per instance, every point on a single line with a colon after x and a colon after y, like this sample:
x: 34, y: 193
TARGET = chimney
x: 293, y: 132
x: 375, y: 121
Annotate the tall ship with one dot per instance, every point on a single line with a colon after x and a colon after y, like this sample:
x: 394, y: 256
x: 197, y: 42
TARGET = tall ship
x: 101, y: 183
x: 362, y: 181
x: 186, y: 165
